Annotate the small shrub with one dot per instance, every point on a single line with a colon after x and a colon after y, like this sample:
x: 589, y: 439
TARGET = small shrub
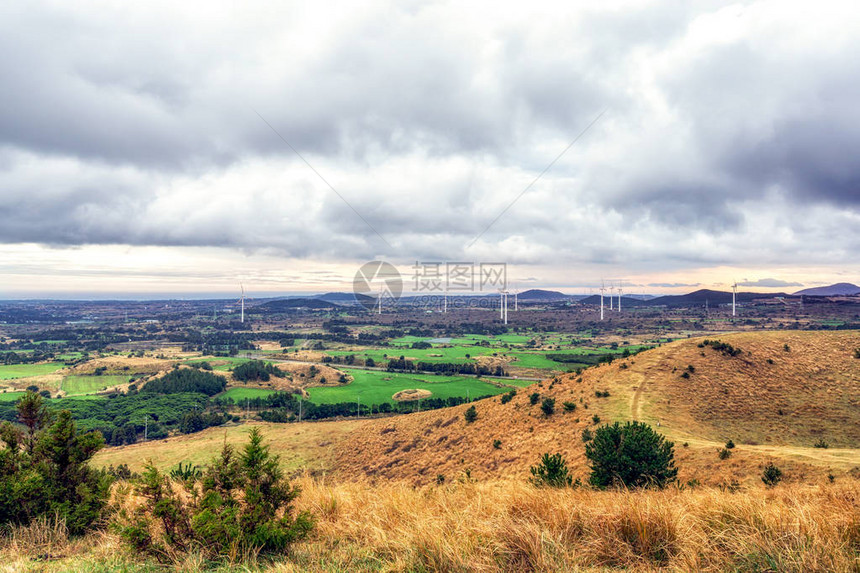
x: 440, y: 479
x: 241, y: 506
x: 497, y: 444
x: 587, y: 435
x: 857, y: 353
x: 548, y: 406
x: 509, y: 396
x: 724, y: 454
x: 770, y: 360
x: 729, y: 445
x: 596, y: 419
x: 821, y: 444
x: 569, y: 406
x: 771, y: 475
x: 685, y: 374
x: 632, y: 455
x: 551, y: 472
x: 533, y: 398
x: 691, y: 368
x: 471, y: 415
x: 786, y: 348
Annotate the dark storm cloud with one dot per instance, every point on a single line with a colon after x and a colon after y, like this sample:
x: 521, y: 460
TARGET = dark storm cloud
x: 731, y: 131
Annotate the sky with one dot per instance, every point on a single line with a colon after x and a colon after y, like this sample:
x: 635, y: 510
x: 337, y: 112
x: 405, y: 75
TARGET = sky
x: 178, y: 149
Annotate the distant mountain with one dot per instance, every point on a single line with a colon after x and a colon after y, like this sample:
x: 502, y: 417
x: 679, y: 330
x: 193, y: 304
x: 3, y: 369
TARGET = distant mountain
x: 700, y: 297
x: 625, y: 300
x: 288, y: 304
x: 697, y: 298
x: 542, y: 295
x: 839, y: 289
x: 344, y: 297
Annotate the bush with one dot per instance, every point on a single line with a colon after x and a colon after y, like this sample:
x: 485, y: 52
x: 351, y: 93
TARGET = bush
x: 186, y: 380
x: 509, y: 396
x: 551, y: 472
x: 771, y: 475
x: 730, y: 444
x: 471, y: 414
x: 632, y: 455
x: 533, y: 398
x: 548, y: 406
x: 857, y: 353
x: 595, y: 418
x: 497, y: 444
x: 569, y: 406
x: 258, y: 370
x: 821, y: 444
x: 724, y: 454
x: 242, y: 505
x: 44, y: 471
x: 587, y: 435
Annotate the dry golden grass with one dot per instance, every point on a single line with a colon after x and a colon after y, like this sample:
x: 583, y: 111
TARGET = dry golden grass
x: 301, y: 446
x: 513, y: 526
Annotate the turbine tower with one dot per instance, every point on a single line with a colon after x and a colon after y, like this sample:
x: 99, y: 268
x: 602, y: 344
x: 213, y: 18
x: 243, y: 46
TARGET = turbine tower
x: 619, y: 295
x: 611, y: 290
x: 242, y: 302
x: 602, y: 289
x: 734, y: 298
x: 503, y: 305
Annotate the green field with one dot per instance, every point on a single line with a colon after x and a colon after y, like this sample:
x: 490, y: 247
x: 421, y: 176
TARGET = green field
x: 10, y: 396
x: 239, y: 394
x: 227, y: 362
x: 10, y: 371
x: 378, y: 387
x: 77, y: 385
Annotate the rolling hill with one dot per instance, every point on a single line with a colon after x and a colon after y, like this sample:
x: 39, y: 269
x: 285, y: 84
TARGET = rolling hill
x: 779, y: 396
x: 773, y: 403
x: 838, y: 289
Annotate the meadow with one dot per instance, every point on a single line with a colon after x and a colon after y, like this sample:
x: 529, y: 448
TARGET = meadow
x: 83, y: 384
x: 375, y: 387
x: 13, y: 371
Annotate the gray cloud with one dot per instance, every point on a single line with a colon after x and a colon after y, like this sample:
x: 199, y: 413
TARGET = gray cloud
x: 772, y: 283
x: 729, y: 136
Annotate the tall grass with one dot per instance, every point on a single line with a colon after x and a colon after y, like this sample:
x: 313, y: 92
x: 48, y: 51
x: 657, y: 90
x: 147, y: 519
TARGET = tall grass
x: 513, y: 526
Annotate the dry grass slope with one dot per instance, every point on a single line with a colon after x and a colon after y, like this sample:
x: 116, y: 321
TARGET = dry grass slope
x: 502, y: 526
x: 816, y: 384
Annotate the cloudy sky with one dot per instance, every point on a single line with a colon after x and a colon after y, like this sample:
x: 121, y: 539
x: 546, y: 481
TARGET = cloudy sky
x: 178, y: 148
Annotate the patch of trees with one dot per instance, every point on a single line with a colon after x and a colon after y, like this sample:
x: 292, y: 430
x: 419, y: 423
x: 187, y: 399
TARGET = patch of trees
x: 197, y: 421
x: 311, y: 411
x: 723, y: 347
x: 183, y: 380
x: 256, y: 370
x: 44, y: 471
x: 444, y: 368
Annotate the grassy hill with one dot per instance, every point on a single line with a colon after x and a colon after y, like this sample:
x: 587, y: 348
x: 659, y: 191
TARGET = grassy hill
x: 815, y: 384
x: 775, y: 404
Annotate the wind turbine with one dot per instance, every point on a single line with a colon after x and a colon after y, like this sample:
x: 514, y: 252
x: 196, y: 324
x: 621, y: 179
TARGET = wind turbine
x: 503, y: 305
x: 734, y: 297
x: 602, y: 290
x: 242, y: 301
x: 619, y: 294
x: 611, y: 290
